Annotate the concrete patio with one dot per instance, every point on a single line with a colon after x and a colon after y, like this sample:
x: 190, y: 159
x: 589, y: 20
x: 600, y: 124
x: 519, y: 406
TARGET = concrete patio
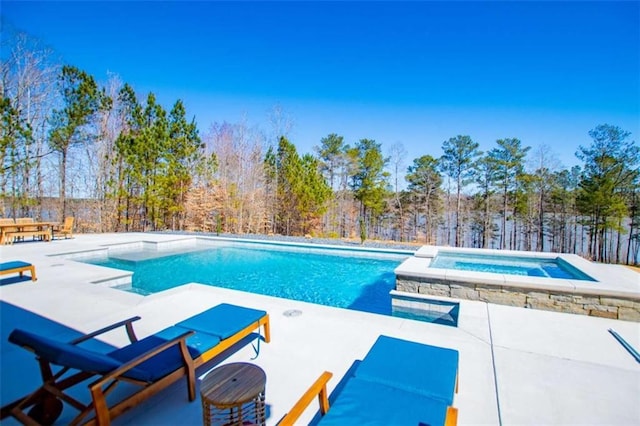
x: 517, y: 366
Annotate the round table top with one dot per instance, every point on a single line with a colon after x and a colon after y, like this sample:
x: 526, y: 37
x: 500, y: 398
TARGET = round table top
x: 233, y: 384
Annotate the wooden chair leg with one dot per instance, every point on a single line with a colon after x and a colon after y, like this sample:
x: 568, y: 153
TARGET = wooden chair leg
x: 32, y: 269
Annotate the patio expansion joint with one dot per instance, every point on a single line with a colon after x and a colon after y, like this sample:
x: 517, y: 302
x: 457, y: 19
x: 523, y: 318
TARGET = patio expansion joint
x: 565, y: 358
x: 493, y: 363
x: 476, y: 337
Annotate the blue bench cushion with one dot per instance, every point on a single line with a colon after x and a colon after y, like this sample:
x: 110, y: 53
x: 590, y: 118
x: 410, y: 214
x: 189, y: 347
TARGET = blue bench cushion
x: 223, y: 320
x: 5, y: 266
x: 197, y: 343
x: 79, y: 358
x: 430, y: 371
x: 64, y: 354
x: 154, y: 368
x: 366, y: 403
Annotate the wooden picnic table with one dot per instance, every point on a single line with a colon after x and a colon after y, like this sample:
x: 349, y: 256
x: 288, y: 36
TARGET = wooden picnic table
x: 7, y: 231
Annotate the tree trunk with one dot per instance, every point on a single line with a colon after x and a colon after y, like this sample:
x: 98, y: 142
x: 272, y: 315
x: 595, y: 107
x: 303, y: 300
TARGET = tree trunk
x: 63, y: 185
x: 458, y: 200
x: 619, y: 241
x: 540, y: 242
x: 503, y: 231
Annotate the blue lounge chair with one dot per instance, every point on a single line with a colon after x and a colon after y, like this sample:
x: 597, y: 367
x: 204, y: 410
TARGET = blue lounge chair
x: 397, y: 382
x: 18, y: 266
x: 152, y: 363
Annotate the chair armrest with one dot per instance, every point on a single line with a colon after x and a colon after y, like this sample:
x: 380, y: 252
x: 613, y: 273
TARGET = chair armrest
x: 452, y: 417
x: 319, y: 389
x: 179, y: 340
x: 126, y: 323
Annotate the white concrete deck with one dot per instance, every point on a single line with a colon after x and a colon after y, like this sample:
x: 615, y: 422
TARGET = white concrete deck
x: 517, y: 366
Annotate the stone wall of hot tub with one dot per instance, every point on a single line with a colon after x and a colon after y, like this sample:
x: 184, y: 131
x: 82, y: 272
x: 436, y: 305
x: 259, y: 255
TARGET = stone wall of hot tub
x: 598, y: 305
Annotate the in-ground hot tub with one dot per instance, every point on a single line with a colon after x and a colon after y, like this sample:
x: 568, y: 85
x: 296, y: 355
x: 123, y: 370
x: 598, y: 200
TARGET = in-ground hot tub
x: 549, y: 281
x: 555, y: 267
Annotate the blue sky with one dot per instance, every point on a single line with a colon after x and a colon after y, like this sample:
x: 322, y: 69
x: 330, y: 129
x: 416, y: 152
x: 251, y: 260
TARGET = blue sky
x: 416, y: 73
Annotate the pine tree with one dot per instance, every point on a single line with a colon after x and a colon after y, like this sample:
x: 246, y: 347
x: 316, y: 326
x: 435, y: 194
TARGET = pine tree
x: 509, y: 160
x: 458, y: 162
x: 369, y: 182
x: 182, y: 154
x: 82, y: 99
x: 15, y: 133
x: 424, y: 184
x: 611, y: 165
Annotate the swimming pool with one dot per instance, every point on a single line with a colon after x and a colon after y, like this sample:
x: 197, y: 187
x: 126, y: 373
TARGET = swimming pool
x: 510, y: 265
x: 357, y: 280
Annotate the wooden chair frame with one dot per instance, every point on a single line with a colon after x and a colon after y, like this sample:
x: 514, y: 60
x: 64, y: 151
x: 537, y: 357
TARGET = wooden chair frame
x: 319, y: 389
x: 65, y: 229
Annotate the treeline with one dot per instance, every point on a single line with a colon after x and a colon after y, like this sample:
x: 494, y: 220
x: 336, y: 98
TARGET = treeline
x: 118, y: 162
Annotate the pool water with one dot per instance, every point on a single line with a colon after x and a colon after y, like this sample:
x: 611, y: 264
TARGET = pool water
x: 510, y: 265
x: 335, y: 279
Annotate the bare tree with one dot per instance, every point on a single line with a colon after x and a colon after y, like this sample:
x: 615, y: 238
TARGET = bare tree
x: 542, y: 166
x: 101, y: 156
x: 27, y: 80
x: 239, y: 177
x: 281, y: 124
x: 397, y: 155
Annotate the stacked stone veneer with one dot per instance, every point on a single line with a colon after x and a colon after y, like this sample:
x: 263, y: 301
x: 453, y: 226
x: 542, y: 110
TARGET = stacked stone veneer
x: 606, y: 306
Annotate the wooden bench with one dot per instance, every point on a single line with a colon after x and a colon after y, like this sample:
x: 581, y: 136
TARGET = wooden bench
x: 19, y: 267
x: 12, y: 236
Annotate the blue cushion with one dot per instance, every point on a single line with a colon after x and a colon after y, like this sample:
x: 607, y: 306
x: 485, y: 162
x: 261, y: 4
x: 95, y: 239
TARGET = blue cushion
x: 223, y: 320
x: 366, y: 403
x: 155, y: 367
x: 5, y: 266
x: 64, y: 354
x: 197, y: 343
x: 415, y: 367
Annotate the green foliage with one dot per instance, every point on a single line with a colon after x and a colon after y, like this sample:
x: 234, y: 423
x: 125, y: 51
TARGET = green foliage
x: 15, y: 138
x: 485, y: 175
x: 509, y: 161
x: 509, y: 166
x: 302, y: 192
x: 81, y: 98
x: 458, y: 162
x: 183, y: 152
x: 313, y: 193
x: 14, y: 133
x: 423, y: 175
x: 331, y: 156
x: 610, y: 168
x: 424, y: 181
x: 370, y: 181
x: 363, y: 230
x: 458, y: 159
x: 158, y: 155
x: 270, y: 166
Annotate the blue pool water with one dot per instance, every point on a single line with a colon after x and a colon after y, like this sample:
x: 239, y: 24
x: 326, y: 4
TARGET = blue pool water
x: 510, y: 265
x: 332, y: 278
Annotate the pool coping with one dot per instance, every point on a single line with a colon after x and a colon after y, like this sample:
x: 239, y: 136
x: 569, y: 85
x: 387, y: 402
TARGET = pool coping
x: 191, y: 241
x: 121, y: 279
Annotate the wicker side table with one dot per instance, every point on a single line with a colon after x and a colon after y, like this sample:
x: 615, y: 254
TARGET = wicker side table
x: 233, y: 394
